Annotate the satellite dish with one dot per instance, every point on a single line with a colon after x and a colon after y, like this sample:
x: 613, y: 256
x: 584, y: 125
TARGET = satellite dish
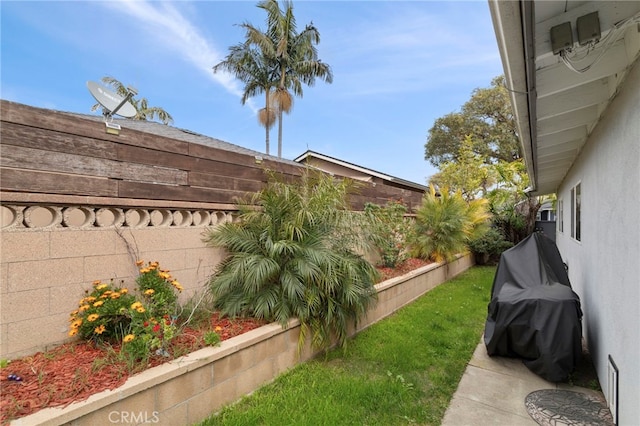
x: 112, y: 102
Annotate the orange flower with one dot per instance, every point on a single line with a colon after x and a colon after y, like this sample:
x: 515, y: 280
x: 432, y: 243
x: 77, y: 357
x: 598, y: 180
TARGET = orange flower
x: 96, y: 282
x: 139, y: 262
x: 164, y: 275
x: 93, y: 317
x: 140, y: 310
x: 115, y: 295
x: 218, y: 328
x: 100, y: 329
x: 73, y: 332
x: 128, y: 338
x: 102, y: 286
x: 177, y: 285
x: 136, y: 305
x: 98, y: 303
x: 83, y: 308
x: 149, y: 292
x: 76, y: 324
x: 124, y: 290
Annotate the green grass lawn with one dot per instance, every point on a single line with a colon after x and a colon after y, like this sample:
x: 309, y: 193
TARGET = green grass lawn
x: 402, y: 370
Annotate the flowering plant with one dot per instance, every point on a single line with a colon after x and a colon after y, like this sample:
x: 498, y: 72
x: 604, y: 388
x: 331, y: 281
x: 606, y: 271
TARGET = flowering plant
x: 143, y: 323
x: 102, y: 314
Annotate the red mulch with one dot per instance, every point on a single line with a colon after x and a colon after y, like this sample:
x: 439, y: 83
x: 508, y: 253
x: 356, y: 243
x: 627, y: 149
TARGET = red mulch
x: 402, y: 268
x: 73, y: 371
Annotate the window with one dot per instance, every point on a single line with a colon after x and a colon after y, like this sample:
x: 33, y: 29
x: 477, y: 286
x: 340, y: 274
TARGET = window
x: 561, y: 215
x: 575, y: 212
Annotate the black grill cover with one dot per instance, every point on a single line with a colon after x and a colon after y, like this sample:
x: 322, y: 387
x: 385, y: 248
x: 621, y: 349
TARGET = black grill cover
x: 534, y: 314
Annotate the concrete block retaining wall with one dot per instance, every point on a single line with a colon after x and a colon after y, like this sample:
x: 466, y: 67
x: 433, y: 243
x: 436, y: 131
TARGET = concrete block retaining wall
x: 189, y: 389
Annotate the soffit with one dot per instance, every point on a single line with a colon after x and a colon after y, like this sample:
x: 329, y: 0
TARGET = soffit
x: 564, y: 99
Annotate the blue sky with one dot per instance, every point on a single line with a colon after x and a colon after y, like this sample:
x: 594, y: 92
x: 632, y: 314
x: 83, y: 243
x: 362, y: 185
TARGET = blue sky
x: 397, y: 66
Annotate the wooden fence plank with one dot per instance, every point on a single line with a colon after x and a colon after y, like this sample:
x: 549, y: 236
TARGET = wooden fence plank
x: 32, y: 137
x: 209, y: 180
x: 184, y: 162
x: 57, y: 121
x: 37, y: 159
x: 127, y: 189
x: 56, y: 183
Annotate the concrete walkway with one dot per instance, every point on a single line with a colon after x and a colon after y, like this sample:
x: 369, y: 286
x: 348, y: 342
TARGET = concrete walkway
x: 492, y: 392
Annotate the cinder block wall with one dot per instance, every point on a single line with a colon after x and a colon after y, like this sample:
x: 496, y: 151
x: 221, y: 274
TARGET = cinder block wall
x: 45, y: 271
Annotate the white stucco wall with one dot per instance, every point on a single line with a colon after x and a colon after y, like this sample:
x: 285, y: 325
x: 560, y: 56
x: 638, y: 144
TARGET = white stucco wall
x: 604, y: 267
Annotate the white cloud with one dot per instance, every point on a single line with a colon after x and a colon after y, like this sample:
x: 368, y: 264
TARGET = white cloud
x: 165, y: 24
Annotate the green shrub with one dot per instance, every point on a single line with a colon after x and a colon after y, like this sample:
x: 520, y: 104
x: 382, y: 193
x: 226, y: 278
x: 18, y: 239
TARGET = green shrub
x: 295, y: 257
x: 389, y: 229
x: 488, y: 248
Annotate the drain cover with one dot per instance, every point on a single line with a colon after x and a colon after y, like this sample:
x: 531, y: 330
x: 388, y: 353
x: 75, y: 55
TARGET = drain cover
x: 554, y: 407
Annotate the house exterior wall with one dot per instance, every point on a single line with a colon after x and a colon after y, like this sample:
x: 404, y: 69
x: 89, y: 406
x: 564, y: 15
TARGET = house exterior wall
x: 604, y: 267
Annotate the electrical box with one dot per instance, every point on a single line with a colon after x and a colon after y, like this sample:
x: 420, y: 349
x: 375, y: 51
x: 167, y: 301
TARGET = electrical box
x: 588, y: 27
x: 561, y: 37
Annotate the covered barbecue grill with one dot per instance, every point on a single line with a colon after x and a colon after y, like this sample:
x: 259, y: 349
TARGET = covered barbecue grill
x: 534, y: 314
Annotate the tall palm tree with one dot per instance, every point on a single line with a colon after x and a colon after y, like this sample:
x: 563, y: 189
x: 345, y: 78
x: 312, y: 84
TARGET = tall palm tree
x: 275, y: 62
x: 296, y: 56
x: 250, y: 63
x: 144, y: 112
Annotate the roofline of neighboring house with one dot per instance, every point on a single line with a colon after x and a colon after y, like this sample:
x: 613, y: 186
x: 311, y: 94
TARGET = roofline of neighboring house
x: 384, y: 176
x: 514, y: 26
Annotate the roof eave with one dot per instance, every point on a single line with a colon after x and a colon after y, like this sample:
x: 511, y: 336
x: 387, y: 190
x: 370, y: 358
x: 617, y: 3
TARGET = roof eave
x: 513, y: 24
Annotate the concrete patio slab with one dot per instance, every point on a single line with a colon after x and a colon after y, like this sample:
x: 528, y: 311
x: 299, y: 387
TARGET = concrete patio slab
x: 492, y: 391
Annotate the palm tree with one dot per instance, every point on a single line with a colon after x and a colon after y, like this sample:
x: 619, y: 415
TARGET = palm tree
x: 274, y: 62
x: 249, y: 62
x: 144, y: 112
x: 445, y: 223
x: 296, y: 56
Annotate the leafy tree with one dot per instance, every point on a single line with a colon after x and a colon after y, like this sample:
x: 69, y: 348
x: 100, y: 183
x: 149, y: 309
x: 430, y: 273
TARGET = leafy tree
x: 469, y: 174
x: 144, y: 112
x: 294, y: 256
x: 488, y: 118
x: 513, y: 209
x: 445, y: 223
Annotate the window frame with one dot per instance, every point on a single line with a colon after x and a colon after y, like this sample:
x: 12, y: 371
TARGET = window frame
x: 576, y: 212
x: 560, y: 217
